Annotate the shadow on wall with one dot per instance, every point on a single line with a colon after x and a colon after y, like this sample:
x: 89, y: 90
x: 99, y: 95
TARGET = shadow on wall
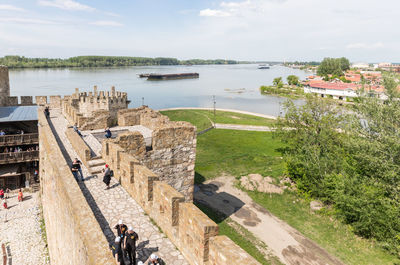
x: 86, y: 193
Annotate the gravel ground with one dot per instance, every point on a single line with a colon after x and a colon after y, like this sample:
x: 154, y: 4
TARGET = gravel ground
x: 20, y: 230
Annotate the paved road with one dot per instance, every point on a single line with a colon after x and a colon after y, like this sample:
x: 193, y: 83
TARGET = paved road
x: 111, y: 205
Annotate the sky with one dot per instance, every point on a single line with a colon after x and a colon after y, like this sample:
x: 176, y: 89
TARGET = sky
x: 273, y: 30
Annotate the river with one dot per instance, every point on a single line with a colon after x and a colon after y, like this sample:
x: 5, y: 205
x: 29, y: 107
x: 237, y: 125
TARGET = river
x: 234, y: 86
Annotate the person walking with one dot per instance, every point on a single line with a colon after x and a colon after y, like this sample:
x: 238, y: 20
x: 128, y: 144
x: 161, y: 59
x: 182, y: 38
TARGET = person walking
x: 76, y: 164
x: 1, y: 194
x: 107, y: 176
x: 20, y: 196
x: 47, y: 111
x: 117, y: 251
x: 130, y: 245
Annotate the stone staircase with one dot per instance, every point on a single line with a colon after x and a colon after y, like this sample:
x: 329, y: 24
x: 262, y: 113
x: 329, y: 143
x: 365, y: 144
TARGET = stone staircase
x: 96, y: 165
x: 35, y: 187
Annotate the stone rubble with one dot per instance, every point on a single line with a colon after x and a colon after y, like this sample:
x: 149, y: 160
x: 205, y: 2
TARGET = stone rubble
x: 259, y: 183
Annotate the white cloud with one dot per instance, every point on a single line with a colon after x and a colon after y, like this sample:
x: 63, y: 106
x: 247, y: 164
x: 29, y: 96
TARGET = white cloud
x: 66, y: 5
x: 107, y: 23
x: 361, y: 45
x: 11, y: 8
x: 214, y: 13
x: 18, y: 20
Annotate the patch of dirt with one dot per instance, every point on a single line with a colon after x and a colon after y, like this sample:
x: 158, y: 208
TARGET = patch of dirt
x: 283, y: 241
x: 235, y: 117
x: 256, y: 182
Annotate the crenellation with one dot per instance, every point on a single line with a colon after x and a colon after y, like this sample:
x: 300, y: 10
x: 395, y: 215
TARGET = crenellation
x: 12, y: 101
x: 41, y: 100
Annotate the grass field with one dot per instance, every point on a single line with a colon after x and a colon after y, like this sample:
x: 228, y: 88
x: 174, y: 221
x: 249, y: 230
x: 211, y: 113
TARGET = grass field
x: 203, y: 118
x: 239, y: 153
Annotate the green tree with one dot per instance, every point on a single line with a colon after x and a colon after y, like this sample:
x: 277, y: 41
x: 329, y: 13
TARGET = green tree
x: 293, y: 80
x: 349, y: 160
x: 315, y: 153
x: 278, y: 82
x: 333, y: 66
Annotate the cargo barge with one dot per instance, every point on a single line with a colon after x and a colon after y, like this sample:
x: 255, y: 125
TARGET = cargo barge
x: 170, y: 76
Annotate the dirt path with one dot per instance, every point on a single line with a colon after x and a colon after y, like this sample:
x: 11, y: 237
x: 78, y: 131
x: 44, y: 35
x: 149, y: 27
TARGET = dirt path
x: 228, y: 110
x: 243, y: 127
x: 287, y: 243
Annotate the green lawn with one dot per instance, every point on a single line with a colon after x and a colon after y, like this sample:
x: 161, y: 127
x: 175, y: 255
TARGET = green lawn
x: 240, y: 153
x: 237, y: 153
x: 203, y: 118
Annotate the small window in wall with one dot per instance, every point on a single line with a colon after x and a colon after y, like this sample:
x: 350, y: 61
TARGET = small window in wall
x: 161, y: 209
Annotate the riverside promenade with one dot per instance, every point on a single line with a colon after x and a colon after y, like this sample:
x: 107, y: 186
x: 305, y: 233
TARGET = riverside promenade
x: 114, y: 204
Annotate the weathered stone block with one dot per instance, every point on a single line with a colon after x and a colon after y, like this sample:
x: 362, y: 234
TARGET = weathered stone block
x: 195, y: 230
x: 41, y: 100
x: 26, y: 100
x: 223, y: 251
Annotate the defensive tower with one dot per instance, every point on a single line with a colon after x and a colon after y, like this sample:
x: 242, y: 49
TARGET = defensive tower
x: 4, y: 86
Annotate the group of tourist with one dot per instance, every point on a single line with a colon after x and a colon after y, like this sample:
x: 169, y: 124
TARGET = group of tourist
x: 4, y: 195
x: 17, y: 149
x: 2, y: 132
x: 124, y: 246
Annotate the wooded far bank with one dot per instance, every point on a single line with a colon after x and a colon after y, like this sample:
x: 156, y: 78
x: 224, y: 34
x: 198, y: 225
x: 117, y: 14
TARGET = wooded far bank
x: 15, y: 61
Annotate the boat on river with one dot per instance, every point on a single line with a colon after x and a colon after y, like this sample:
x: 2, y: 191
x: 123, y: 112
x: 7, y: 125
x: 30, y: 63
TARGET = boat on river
x: 263, y: 66
x: 170, y: 76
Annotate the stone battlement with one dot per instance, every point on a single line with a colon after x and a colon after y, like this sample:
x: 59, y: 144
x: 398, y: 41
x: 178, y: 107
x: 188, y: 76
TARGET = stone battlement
x: 193, y: 233
x: 94, y: 110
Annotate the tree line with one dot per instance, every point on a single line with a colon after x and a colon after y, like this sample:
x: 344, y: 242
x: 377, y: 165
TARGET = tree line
x: 349, y: 160
x: 100, y: 61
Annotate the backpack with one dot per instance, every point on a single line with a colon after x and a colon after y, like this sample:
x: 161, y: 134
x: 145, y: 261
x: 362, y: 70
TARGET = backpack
x: 111, y: 173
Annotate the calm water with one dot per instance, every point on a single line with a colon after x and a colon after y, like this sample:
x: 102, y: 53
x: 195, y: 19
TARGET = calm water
x: 235, y: 86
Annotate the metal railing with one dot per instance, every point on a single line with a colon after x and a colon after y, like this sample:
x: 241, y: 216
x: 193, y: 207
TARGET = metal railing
x: 19, y: 139
x: 16, y: 157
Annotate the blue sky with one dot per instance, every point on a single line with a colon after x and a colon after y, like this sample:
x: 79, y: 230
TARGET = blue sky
x: 362, y: 30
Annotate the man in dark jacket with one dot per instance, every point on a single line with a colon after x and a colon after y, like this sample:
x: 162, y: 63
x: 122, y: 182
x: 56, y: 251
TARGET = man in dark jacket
x: 130, y: 245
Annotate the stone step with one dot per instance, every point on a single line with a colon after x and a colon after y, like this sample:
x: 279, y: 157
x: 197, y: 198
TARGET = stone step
x: 35, y: 187
x: 96, y: 162
x: 96, y: 169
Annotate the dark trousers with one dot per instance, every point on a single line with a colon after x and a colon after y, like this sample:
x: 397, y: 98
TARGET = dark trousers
x: 131, y: 254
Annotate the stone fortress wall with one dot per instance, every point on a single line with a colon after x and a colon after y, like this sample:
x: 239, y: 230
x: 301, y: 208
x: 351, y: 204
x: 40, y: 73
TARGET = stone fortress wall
x: 7, y: 100
x: 192, y: 232
x: 74, y: 236
x: 159, y: 177
x: 94, y: 110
